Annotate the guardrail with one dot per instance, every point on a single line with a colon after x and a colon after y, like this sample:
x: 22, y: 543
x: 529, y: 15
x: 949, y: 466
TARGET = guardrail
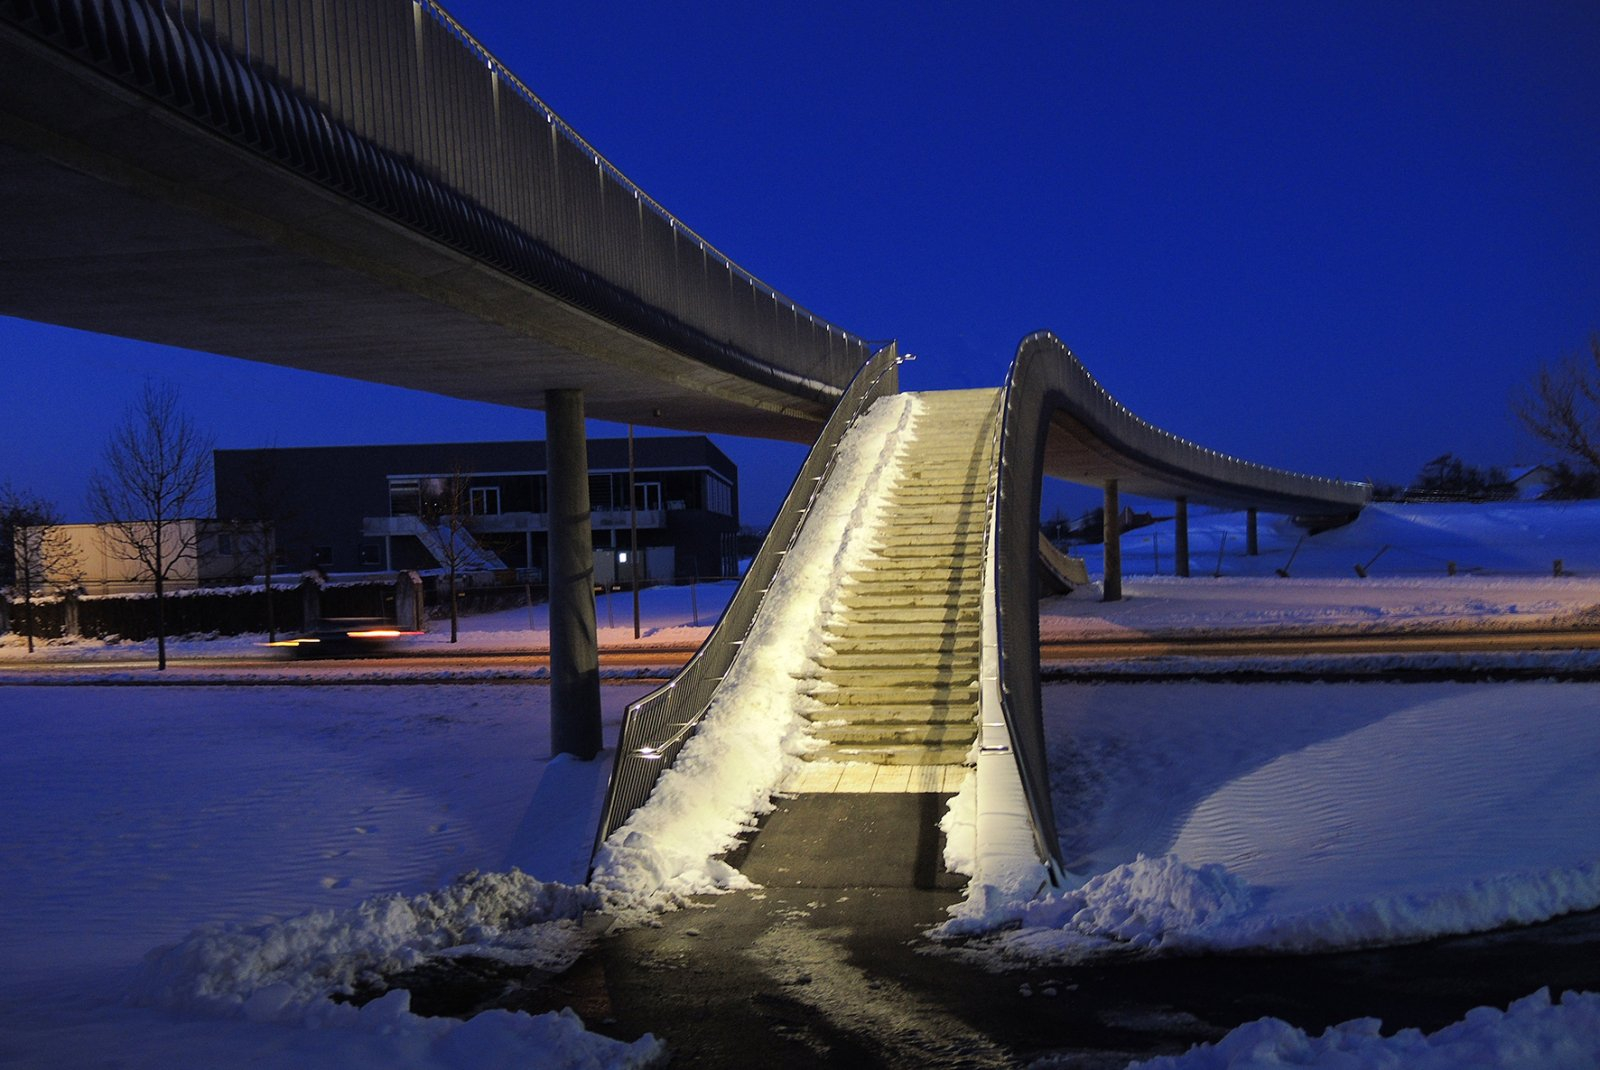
x: 657, y: 726
x: 394, y: 104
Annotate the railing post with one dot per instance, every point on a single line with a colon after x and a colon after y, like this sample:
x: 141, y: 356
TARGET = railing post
x: 574, y: 644
x: 1182, y: 537
x: 1111, y: 584
x: 1252, y: 538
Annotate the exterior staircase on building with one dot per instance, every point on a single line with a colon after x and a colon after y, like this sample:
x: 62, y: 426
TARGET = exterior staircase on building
x: 440, y: 541
x: 898, y: 682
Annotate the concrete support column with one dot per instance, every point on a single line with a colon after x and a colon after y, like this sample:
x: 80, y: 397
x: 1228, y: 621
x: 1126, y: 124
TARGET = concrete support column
x: 1182, y: 536
x: 1252, y: 536
x: 574, y: 644
x: 1111, y: 586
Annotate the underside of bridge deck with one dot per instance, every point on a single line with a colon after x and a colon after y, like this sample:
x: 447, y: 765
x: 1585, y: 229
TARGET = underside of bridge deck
x: 123, y: 217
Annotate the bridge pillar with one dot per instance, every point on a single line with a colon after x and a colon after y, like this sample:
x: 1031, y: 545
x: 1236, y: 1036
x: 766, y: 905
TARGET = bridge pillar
x: 1182, y: 537
x: 574, y: 644
x: 1111, y: 585
x: 1252, y: 537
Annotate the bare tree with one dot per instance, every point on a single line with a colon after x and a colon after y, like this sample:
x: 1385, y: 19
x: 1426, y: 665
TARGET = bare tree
x: 1561, y: 407
x: 153, y: 477
x: 266, y: 513
x: 39, y: 557
x: 446, y: 511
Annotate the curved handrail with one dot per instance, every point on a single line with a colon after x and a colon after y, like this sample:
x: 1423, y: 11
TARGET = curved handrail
x: 657, y: 726
x: 1094, y: 435
x: 1049, y: 395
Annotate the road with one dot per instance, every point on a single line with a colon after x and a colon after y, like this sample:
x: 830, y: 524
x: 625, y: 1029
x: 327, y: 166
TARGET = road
x: 635, y: 662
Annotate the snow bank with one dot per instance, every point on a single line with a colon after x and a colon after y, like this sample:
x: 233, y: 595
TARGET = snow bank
x: 753, y: 733
x: 1300, y: 817
x: 264, y: 969
x: 283, y: 973
x: 1533, y: 1033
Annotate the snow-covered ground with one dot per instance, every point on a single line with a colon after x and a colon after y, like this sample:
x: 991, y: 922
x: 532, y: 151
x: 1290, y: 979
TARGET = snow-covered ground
x: 1284, y: 816
x: 308, y: 834
x: 1534, y: 1033
x: 669, y: 617
x: 1388, y: 539
x: 1287, y: 815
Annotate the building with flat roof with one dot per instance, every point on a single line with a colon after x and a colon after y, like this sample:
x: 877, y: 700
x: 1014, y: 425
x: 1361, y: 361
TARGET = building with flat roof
x: 350, y: 509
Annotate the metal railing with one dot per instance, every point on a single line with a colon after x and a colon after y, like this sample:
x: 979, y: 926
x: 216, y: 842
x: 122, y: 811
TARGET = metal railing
x: 658, y: 725
x: 394, y: 104
x: 1014, y: 567
x: 1045, y: 380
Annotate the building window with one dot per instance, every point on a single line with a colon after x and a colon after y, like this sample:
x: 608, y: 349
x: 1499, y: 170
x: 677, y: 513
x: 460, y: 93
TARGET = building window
x: 224, y: 544
x: 371, y: 555
x: 322, y: 556
x: 485, y: 501
x: 719, y: 496
x: 405, y: 497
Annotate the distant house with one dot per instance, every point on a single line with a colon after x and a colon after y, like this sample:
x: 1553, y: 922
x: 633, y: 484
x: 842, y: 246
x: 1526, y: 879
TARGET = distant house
x: 352, y: 509
x: 1530, y: 481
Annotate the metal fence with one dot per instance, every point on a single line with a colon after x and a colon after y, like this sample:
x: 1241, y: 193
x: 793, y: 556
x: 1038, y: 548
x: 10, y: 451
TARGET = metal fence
x: 394, y: 104
x: 658, y: 725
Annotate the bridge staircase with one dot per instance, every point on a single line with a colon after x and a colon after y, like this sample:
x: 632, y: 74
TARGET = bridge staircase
x: 897, y: 681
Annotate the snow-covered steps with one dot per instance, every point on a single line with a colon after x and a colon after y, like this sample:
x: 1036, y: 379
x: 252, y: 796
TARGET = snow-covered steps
x: 896, y: 682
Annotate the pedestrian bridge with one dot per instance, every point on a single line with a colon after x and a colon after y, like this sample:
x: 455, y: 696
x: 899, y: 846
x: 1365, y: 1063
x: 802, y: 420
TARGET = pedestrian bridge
x: 360, y: 188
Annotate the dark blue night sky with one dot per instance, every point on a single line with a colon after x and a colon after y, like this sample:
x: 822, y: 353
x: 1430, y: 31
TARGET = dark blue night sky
x: 1332, y: 238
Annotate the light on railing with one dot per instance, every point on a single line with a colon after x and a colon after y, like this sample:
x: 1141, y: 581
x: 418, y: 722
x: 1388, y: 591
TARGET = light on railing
x: 648, y: 752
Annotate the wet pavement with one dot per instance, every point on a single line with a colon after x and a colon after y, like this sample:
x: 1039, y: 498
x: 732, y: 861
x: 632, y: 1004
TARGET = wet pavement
x: 827, y: 965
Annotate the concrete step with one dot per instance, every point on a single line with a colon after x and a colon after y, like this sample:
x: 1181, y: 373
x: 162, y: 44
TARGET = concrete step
x: 890, y: 629
x: 953, y: 655
x: 893, y: 754
x: 892, y: 542
x: 896, y: 735
x: 905, y: 516
x: 848, y: 653
x: 956, y: 676
x: 964, y: 615
x: 833, y: 715
x: 889, y: 697
x: 891, y: 599
x: 955, y: 577
x: 884, y: 579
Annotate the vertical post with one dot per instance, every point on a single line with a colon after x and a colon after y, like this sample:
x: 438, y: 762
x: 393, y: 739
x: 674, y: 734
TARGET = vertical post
x: 1111, y: 585
x: 633, y: 532
x: 1252, y: 537
x: 1182, y: 524
x: 574, y: 645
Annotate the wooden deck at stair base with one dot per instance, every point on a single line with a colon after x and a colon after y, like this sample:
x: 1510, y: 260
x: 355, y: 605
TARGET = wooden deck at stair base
x: 851, y: 778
